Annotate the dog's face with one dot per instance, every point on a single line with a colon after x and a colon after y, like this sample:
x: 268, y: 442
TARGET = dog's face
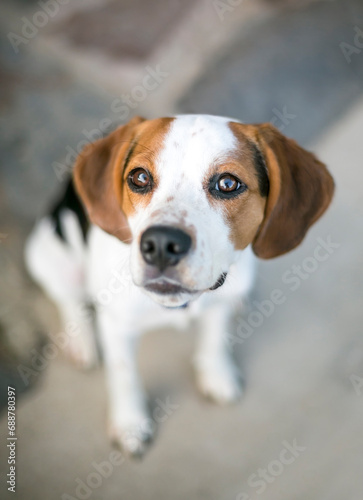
x: 189, y: 192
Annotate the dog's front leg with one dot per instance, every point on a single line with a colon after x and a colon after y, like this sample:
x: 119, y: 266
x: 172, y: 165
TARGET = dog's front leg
x: 216, y: 373
x: 129, y: 424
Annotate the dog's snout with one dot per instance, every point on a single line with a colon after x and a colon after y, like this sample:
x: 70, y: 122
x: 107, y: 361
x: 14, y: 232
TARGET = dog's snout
x: 163, y: 246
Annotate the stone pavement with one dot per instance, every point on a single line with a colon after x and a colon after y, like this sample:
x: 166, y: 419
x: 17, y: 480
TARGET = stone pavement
x: 303, y: 366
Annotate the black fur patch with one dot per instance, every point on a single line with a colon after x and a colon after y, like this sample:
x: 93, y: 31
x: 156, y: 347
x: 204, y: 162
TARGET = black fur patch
x: 261, y: 169
x: 69, y: 200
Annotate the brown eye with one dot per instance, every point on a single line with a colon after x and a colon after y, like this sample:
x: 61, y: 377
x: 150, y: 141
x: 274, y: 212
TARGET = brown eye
x: 140, y: 180
x: 226, y: 186
x: 227, y: 183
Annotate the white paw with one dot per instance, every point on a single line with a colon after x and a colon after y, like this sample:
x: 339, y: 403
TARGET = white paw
x: 219, y: 382
x: 132, y: 435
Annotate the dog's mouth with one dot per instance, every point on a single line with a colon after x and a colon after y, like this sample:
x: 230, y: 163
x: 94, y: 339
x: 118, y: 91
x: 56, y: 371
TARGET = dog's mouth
x: 168, y: 287
x: 164, y: 287
x: 220, y: 281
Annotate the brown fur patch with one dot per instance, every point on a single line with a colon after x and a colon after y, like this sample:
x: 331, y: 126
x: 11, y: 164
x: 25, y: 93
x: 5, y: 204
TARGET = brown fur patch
x: 301, y: 189
x: 148, y: 142
x: 93, y: 175
x: 244, y: 213
x: 100, y: 175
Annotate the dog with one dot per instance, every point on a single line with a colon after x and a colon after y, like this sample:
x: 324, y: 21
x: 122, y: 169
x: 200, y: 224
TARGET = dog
x: 161, y: 222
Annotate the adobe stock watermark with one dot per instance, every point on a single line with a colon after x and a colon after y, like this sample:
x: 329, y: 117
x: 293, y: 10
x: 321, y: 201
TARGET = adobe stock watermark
x: 122, y: 107
x: 94, y: 480
x: 259, y: 481
x: 354, y: 48
x: 223, y: 7
x: 151, y: 80
x: 293, y: 278
x: 30, y: 27
x: 281, y: 119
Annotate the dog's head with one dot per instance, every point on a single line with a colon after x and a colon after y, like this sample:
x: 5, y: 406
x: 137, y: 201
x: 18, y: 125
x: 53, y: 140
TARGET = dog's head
x: 187, y: 193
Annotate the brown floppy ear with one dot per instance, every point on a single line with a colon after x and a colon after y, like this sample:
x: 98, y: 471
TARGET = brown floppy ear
x: 301, y: 189
x: 94, y: 176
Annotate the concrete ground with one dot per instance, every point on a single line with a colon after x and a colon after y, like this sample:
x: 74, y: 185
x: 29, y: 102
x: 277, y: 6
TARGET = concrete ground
x: 302, y: 367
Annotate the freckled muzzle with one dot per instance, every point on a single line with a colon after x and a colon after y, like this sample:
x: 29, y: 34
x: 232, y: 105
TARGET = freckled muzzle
x: 164, y: 246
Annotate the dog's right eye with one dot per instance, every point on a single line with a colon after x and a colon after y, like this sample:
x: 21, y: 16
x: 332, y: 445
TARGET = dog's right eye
x: 140, y: 180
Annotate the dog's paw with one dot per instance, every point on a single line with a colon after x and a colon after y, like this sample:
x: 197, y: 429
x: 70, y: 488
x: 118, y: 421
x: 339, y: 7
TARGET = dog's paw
x: 219, y: 382
x: 132, y: 436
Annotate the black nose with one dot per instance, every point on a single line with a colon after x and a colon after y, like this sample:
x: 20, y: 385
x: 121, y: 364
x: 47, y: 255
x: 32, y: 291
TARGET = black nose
x: 164, y: 246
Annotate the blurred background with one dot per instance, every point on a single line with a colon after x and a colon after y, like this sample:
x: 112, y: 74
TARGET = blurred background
x: 71, y: 70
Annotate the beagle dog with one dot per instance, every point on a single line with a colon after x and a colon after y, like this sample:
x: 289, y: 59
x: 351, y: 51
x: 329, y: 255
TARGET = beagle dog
x: 159, y: 224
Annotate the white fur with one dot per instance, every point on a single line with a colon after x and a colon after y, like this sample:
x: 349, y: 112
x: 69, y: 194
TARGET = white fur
x: 112, y: 273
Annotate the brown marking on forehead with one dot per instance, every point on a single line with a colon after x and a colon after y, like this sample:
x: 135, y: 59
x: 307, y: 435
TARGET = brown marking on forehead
x: 169, y: 199
x: 143, y: 152
x: 244, y: 213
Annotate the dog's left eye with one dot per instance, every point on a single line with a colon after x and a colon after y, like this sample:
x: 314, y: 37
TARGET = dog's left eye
x: 227, y: 183
x: 226, y: 186
x: 140, y: 180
